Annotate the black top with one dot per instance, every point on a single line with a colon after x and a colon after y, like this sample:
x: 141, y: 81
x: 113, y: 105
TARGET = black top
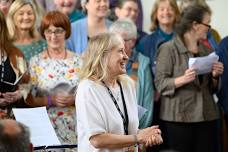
x: 9, y: 76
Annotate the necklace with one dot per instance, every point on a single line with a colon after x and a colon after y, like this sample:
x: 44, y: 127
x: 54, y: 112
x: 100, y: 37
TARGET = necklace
x: 2, y: 69
x: 65, y: 54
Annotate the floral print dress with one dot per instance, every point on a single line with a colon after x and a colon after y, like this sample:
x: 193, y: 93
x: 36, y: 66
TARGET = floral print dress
x: 50, y: 76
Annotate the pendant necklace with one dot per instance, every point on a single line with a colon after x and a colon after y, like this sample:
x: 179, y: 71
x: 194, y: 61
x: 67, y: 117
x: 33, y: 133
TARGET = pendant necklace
x: 65, y: 54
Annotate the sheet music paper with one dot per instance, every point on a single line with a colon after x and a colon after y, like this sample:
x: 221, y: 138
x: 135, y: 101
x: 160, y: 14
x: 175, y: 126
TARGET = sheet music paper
x: 203, y: 64
x: 141, y: 111
x: 42, y: 131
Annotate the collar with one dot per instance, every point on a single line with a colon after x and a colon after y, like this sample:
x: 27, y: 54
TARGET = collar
x: 180, y: 44
x: 133, y: 56
x: 164, y: 35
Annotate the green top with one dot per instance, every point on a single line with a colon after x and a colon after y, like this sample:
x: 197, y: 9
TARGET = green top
x: 30, y: 50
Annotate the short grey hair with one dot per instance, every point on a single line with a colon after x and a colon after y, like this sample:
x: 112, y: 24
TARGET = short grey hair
x: 18, y: 142
x: 126, y: 26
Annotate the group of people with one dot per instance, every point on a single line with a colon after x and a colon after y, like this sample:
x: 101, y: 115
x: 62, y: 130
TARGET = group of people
x: 96, y: 76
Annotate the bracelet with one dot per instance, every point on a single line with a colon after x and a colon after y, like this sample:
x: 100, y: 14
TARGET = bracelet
x: 49, y: 101
x: 136, y: 142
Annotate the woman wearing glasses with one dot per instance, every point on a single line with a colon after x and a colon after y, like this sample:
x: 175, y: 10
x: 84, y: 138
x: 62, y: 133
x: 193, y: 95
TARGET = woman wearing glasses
x: 54, y: 76
x: 23, y: 20
x: 188, y: 111
x: 213, y: 37
x: 12, y: 68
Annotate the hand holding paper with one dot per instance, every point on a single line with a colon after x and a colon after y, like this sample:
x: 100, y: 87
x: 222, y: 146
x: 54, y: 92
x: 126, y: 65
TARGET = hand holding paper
x: 203, y: 65
x: 217, y: 69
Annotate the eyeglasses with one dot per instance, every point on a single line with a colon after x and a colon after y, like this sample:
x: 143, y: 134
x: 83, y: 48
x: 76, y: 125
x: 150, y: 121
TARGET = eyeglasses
x: 57, y: 32
x: 207, y: 25
x: 127, y: 40
x: 129, y: 9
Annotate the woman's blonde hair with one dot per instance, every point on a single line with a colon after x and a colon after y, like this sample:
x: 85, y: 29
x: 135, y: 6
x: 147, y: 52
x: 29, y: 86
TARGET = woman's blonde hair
x: 153, y: 17
x: 16, y: 5
x: 94, y: 65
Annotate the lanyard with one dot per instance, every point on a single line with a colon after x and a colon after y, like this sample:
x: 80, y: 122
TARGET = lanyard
x: 125, y: 119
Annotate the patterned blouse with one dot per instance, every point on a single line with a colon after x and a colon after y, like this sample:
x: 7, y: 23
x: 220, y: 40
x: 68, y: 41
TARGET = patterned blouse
x: 51, y: 76
x: 30, y: 50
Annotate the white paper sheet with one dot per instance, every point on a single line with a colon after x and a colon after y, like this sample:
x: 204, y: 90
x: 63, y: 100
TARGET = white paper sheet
x: 203, y: 64
x: 42, y: 132
x: 141, y: 111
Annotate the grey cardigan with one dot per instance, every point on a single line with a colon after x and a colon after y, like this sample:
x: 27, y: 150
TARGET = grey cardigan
x: 192, y: 102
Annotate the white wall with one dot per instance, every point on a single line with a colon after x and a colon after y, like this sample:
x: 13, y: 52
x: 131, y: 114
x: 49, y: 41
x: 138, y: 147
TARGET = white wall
x: 147, y: 7
x: 219, y: 19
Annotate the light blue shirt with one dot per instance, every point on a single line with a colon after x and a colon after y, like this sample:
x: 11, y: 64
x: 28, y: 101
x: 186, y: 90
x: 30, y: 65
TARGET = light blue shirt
x: 79, y: 36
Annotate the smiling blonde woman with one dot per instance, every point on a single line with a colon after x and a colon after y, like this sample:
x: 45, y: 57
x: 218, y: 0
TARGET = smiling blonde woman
x: 23, y: 20
x: 107, y: 115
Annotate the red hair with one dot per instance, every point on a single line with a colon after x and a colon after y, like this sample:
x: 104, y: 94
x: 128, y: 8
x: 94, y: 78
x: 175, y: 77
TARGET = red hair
x: 56, y: 19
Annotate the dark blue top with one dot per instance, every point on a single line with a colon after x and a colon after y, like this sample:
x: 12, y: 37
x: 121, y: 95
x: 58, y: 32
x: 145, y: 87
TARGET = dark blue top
x: 223, y: 57
x: 140, y: 34
x: 149, y: 44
